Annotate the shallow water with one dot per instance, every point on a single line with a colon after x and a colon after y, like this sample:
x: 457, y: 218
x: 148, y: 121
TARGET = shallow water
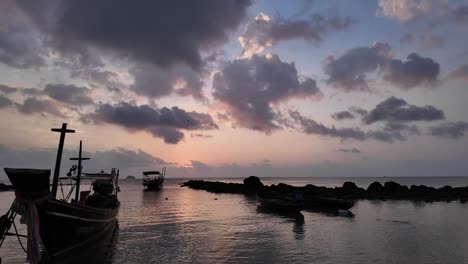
x: 200, y: 227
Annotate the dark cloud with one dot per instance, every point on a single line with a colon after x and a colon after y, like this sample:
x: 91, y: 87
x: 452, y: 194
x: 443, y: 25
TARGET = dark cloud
x: 69, y: 94
x: 424, y: 42
x: 99, y: 77
x: 398, y: 110
x: 169, y: 134
x: 264, y: 32
x: 20, y: 44
x: 397, y: 127
x: 249, y: 88
x: 351, y: 150
x: 38, y: 106
x: 5, y: 102
x: 452, y: 130
x: 358, y: 110
x: 153, y: 81
x: 460, y: 73
x: 342, y: 115
x: 195, y: 135
x: 7, y: 89
x: 415, y: 71
x: 312, y: 127
x: 349, y: 72
x: 459, y: 14
x: 163, y: 123
x: 160, y: 32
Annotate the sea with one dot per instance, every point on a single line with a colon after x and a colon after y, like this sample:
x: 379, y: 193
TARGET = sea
x: 181, y: 225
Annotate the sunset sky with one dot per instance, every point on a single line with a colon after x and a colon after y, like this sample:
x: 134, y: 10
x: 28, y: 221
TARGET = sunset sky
x: 215, y: 88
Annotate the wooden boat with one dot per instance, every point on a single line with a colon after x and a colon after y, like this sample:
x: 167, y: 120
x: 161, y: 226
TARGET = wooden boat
x: 154, y: 180
x: 326, y: 203
x: 60, y: 230
x: 290, y: 203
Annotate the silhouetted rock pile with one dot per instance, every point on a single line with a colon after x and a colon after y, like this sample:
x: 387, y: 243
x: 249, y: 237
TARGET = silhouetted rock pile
x: 349, y: 191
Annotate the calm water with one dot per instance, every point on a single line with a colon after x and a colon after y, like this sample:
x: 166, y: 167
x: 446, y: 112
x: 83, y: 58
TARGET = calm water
x: 199, y: 227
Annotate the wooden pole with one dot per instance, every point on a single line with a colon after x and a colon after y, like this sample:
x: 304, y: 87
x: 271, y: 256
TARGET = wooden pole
x: 78, y: 177
x: 62, y: 131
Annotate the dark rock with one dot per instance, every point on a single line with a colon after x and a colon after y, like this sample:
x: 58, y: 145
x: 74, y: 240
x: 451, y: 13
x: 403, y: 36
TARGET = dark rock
x: 375, y: 189
x: 252, y: 184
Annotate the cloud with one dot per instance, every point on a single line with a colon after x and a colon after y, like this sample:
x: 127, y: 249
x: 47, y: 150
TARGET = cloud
x: 349, y: 71
x: 351, y: 150
x: 424, y: 42
x: 20, y: 44
x: 38, y: 106
x: 398, y: 110
x: 415, y: 71
x: 195, y: 135
x: 159, y: 32
x: 312, y: 127
x: 459, y: 14
x: 405, y: 10
x: 7, y: 89
x: 99, y: 77
x: 451, y: 130
x: 5, y: 102
x: 460, y: 73
x: 69, y: 94
x: 157, y: 82
x: 342, y: 115
x: 248, y: 88
x: 358, y: 110
x: 264, y: 32
x: 163, y: 123
x: 124, y: 159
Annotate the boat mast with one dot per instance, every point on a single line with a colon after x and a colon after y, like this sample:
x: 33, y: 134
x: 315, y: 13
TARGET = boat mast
x: 62, y: 131
x: 78, y: 177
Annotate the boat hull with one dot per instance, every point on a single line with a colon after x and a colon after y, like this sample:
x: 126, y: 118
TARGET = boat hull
x: 66, y: 229
x: 281, y: 205
x: 317, y: 202
x: 153, y: 185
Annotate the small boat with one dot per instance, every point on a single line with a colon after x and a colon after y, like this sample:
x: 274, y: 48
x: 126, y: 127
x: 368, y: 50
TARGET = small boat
x: 290, y: 203
x: 326, y: 203
x: 60, y: 230
x: 154, y: 180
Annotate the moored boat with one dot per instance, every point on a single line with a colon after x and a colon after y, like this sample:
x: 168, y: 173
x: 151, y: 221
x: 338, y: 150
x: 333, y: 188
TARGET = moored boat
x: 60, y: 230
x: 154, y: 180
x: 291, y: 203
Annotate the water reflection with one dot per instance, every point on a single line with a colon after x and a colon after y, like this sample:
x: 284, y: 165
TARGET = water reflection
x: 296, y: 218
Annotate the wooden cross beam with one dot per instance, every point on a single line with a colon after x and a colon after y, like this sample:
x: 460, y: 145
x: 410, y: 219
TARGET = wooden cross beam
x: 62, y: 131
x: 78, y: 177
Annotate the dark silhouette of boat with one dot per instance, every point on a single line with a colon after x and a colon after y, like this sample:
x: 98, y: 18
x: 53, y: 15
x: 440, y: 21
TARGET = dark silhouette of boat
x: 60, y: 230
x: 291, y: 203
x: 154, y: 180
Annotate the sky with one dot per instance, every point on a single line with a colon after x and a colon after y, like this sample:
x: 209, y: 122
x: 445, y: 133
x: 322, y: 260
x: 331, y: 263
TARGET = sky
x: 208, y: 88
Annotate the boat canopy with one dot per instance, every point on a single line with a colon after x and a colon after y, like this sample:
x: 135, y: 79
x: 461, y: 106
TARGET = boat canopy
x: 146, y: 173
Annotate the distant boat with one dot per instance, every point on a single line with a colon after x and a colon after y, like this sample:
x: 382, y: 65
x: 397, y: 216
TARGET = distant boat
x: 154, y: 180
x: 290, y: 203
x: 58, y: 230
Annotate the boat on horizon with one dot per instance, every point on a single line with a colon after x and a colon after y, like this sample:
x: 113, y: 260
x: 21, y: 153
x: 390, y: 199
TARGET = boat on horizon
x: 154, y: 180
x: 60, y: 230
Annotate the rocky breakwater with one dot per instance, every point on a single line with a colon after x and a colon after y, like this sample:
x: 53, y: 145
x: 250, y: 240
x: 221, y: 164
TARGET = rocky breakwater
x: 5, y: 187
x: 349, y: 191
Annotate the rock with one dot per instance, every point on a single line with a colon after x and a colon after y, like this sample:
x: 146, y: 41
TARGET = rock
x: 375, y: 188
x: 349, y: 188
x: 252, y: 184
x: 5, y: 187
